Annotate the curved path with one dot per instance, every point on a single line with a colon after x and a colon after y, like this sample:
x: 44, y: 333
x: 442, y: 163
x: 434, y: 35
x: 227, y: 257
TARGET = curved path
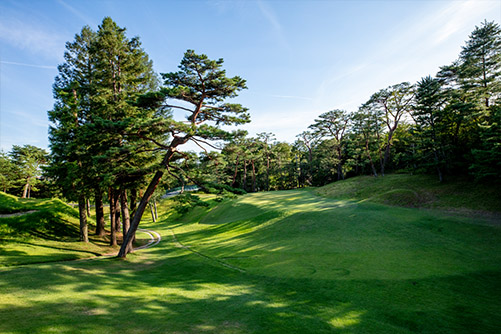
x: 16, y: 214
x: 155, y: 238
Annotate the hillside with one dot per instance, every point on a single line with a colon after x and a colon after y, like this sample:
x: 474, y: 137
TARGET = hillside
x: 276, y: 262
x: 419, y: 191
x: 42, y: 230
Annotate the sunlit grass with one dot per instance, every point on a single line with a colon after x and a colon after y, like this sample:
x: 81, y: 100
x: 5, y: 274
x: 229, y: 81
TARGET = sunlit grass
x: 278, y: 262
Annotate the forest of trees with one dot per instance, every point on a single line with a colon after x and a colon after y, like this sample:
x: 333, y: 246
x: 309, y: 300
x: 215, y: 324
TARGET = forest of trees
x: 114, y: 139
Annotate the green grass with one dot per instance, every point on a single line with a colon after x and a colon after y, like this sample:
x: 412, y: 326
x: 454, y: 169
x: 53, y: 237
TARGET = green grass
x: 420, y: 191
x: 50, y: 233
x: 278, y: 262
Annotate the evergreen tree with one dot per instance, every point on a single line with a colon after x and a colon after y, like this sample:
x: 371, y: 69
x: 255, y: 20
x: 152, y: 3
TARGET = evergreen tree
x: 202, y: 84
x: 8, y: 173
x: 334, y: 124
x: 29, y: 159
x: 392, y: 104
x: 480, y: 59
x: 429, y: 118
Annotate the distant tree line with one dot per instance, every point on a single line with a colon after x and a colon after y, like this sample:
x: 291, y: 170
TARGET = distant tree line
x: 114, y: 139
x: 448, y: 125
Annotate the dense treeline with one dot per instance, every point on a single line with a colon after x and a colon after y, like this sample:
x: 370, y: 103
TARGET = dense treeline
x: 448, y: 125
x: 114, y: 139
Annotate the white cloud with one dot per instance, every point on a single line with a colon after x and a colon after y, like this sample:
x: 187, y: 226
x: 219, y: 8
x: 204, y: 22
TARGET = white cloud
x: 272, y: 19
x: 49, y: 67
x: 87, y: 20
x: 35, y: 39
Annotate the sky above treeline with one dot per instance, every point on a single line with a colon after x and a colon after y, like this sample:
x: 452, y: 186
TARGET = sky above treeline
x: 300, y: 58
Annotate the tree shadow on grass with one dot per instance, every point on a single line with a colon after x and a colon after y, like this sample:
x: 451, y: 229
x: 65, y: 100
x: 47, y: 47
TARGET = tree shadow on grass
x: 183, y: 293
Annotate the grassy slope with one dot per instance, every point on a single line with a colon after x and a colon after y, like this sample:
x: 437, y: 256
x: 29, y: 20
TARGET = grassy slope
x: 49, y: 234
x: 301, y: 264
x: 422, y: 191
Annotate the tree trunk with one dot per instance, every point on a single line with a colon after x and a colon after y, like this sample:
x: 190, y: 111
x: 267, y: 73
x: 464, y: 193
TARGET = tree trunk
x: 118, y: 222
x: 310, y: 166
x: 340, y: 175
x: 152, y: 213
x: 439, y: 171
x: 386, y: 152
x: 127, y: 243
x: 84, y: 235
x: 245, y: 176
x: 235, y: 173
x: 26, y: 186
x: 87, y: 203
x: 125, y: 211
x: 99, y: 212
x: 374, y: 172
x: 113, y: 204
x: 155, y: 206
x: 267, y: 171
x: 133, y: 203
x: 253, y: 176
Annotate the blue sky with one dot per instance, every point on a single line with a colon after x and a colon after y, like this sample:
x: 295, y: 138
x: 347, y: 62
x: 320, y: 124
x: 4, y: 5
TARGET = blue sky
x: 300, y: 58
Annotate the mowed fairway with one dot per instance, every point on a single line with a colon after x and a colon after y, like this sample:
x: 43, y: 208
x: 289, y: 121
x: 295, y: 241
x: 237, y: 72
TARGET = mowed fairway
x: 277, y: 262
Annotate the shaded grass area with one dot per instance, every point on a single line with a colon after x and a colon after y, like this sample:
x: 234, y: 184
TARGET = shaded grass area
x: 50, y: 233
x: 421, y: 191
x: 309, y: 264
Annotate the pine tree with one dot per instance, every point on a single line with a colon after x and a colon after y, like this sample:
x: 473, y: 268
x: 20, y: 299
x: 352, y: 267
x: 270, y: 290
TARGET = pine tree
x: 334, y: 124
x: 202, y: 84
x: 480, y: 59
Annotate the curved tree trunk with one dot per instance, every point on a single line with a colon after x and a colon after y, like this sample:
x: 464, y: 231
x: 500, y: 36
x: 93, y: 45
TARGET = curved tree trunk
x: 134, y: 224
x: 127, y: 243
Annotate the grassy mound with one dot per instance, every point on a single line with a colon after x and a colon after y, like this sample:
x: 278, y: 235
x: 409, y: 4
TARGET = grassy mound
x: 420, y: 191
x: 42, y: 230
x: 46, y: 219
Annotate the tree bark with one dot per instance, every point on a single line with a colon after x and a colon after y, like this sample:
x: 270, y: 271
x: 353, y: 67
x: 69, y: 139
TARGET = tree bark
x: 133, y: 203
x: 152, y: 213
x: 99, y: 212
x: 127, y: 243
x: 84, y: 235
x: 25, y: 190
x: 113, y: 204
x: 87, y: 206
x: 125, y: 211
x: 118, y: 222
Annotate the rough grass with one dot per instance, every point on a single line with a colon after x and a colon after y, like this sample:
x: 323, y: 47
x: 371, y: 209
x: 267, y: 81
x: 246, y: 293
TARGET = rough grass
x: 278, y: 262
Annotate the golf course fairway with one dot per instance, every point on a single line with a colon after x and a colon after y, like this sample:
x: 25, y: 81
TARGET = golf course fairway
x: 274, y: 262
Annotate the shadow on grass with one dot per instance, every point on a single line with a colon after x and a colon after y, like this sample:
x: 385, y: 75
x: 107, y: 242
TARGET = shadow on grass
x: 185, y: 294
x: 170, y: 290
